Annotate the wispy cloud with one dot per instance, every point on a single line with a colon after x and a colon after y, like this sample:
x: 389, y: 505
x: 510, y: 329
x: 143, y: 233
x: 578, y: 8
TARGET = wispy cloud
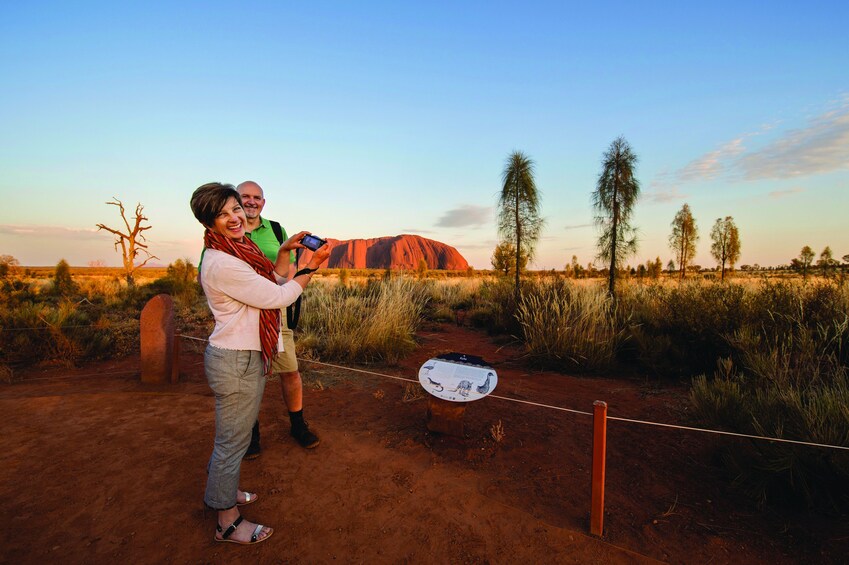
x: 577, y: 226
x: 52, y: 232
x: 467, y: 215
x: 776, y: 194
x: 713, y: 164
x: 821, y: 146
x: 415, y: 230
x: 490, y: 244
x: 664, y: 193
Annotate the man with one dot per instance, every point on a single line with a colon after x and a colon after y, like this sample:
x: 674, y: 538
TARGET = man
x: 268, y: 235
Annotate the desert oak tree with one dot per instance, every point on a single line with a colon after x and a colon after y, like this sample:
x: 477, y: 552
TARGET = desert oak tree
x: 726, y: 243
x: 806, y: 257
x: 131, y: 242
x: 827, y: 261
x: 504, y: 258
x: 683, y: 238
x: 613, y: 199
x: 519, y: 221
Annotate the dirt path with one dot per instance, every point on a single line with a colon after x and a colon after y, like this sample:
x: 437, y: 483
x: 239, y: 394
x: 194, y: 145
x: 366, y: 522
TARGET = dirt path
x: 100, y: 469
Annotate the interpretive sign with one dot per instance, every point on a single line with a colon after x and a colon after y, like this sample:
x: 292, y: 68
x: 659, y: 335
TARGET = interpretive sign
x: 458, y: 377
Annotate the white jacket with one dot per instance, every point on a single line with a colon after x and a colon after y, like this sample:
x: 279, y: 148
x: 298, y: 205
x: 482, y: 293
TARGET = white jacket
x: 236, y: 294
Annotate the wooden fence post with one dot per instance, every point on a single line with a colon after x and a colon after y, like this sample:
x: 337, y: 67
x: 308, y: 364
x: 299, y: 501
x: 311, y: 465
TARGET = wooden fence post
x: 599, y: 455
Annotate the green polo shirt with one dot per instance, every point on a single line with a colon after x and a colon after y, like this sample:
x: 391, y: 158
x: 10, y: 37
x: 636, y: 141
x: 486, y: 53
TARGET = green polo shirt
x: 267, y: 242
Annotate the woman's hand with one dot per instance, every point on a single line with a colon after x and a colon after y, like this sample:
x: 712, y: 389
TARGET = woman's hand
x: 294, y: 242
x: 319, y: 256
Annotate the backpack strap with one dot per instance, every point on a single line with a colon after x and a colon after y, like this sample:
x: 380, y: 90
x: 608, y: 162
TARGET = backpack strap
x: 293, y: 311
x: 278, y: 231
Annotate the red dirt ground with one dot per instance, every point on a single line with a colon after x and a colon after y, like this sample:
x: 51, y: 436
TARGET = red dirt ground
x: 98, y: 468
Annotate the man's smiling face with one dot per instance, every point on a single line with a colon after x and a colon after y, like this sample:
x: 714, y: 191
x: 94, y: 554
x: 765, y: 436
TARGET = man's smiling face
x: 253, y: 200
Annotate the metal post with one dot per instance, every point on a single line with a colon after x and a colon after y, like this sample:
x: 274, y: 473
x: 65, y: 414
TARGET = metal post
x: 599, y: 454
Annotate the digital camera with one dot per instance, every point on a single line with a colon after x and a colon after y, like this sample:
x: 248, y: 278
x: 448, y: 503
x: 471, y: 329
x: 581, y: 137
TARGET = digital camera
x: 312, y: 242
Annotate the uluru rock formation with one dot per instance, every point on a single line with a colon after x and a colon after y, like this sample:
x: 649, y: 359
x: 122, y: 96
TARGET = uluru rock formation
x: 393, y: 252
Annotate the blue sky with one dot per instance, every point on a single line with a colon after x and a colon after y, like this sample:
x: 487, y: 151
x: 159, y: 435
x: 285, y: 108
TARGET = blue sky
x: 373, y: 119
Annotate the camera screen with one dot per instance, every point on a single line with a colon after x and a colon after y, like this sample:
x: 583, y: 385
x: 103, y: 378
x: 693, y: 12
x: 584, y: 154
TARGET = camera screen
x: 312, y: 242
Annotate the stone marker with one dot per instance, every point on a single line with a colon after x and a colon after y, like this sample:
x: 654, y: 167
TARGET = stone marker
x: 444, y: 416
x: 159, y: 348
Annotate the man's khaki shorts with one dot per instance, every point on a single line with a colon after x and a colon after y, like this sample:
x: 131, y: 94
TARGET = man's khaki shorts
x: 285, y: 361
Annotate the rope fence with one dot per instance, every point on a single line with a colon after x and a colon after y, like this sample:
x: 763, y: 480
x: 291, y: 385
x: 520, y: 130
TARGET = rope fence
x: 84, y: 376
x: 49, y: 327
x: 581, y: 412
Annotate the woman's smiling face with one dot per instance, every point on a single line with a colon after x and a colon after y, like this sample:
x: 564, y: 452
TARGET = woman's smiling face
x: 230, y: 221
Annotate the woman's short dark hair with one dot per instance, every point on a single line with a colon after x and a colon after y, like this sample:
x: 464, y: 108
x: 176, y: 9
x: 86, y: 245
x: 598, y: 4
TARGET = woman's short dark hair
x: 208, y: 200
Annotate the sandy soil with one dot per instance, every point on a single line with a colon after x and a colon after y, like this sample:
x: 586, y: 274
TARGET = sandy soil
x: 98, y: 468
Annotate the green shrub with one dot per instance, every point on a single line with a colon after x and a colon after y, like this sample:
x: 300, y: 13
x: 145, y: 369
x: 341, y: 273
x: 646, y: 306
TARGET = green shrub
x: 34, y: 332
x: 793, y: 383
x: 180, y: 281
x: 782, y: 472
x: 63, y: 283
x: 681, y: 330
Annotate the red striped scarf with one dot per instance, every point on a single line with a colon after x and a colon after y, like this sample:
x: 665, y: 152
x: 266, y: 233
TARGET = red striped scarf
x: 269, y: 320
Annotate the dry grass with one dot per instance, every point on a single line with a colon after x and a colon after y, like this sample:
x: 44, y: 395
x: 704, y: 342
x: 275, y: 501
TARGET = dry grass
x: 372, y: 322
x: 413, y: 392
x: 496, y: 431
x: 570, y: 325
x: 7, y: 375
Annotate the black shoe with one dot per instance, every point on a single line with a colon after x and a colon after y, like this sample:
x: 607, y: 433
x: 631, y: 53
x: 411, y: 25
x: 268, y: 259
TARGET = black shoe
x: 253, y: 452
x: 254, y: 448
x: 305, y: 437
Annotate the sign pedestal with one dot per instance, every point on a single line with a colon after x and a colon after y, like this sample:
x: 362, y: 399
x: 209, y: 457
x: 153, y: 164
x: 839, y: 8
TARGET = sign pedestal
x: 445, y: 417
x: 160, y: 351
x: 453, y: 380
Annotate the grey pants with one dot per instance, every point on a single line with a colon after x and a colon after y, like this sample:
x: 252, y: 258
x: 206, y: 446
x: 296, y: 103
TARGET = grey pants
x: 238, y: 383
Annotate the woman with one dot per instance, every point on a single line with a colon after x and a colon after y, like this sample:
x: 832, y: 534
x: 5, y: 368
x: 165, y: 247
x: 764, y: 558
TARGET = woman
x: 245, y: 292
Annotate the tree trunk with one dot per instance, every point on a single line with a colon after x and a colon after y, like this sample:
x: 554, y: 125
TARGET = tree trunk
x: 518, y: 245
x: 611, y: 278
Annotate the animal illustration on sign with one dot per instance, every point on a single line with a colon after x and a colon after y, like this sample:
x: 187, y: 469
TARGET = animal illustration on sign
x: 484, y: 388
x: 457, y: 377
x: 437, y: 386
x: 463, y: 387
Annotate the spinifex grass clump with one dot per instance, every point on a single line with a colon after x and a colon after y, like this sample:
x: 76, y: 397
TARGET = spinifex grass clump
x: 569, y: 326
x: 792, y: 382
x: 450, y: 300
x: 372, y: 322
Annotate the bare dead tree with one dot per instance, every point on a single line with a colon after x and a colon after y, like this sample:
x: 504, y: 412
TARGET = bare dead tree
x: 131, y: 241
